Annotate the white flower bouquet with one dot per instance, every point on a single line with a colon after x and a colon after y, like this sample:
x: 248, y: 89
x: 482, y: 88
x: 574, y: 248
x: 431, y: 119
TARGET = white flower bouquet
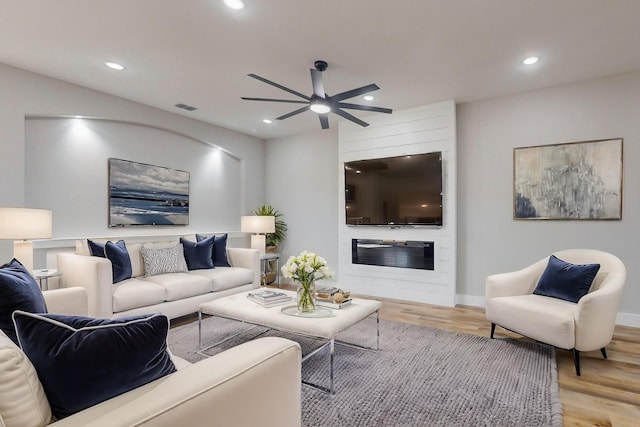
x: 305, y: 269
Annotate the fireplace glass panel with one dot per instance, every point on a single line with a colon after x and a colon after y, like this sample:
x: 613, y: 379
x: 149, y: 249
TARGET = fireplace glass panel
x: 393, y: 253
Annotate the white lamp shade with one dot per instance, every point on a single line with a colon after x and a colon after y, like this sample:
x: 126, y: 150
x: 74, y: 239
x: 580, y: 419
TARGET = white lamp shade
x: 25, y: 224
x: 258, y: 224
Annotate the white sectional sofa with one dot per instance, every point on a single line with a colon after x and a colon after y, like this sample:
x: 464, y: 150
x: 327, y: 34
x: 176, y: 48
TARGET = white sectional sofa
x: 173, y: 294
x: 215, y: 391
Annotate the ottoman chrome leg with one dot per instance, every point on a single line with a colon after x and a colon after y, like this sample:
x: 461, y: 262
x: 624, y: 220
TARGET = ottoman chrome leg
x: 331, y: 352
x: 199, y: 330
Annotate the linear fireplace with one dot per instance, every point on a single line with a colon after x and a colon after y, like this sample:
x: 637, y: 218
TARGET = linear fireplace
x: 393, y: 253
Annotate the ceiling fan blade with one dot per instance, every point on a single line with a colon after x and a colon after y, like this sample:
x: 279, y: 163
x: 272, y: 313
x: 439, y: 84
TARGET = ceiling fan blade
x: 350, y: 117
x: 286, y: 89
x: 355, y: 92
x: 324, y: 121
x: 316, y: 81
x: 274, y: 100
x: 364, y: 107
x: 293, y: 113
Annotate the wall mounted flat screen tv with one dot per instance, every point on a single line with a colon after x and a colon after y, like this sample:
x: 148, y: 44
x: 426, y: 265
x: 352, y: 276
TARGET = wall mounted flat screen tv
x: 394, y: 191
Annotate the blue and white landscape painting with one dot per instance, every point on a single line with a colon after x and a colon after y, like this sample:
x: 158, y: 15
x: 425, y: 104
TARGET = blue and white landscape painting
x: 141, y: 194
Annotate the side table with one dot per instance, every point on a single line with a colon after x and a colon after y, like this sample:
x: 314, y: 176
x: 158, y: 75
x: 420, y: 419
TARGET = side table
x: 264, y: 267
x: 43, y: 276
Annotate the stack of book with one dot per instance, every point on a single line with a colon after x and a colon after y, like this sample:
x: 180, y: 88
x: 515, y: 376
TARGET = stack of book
x: 269, y: 298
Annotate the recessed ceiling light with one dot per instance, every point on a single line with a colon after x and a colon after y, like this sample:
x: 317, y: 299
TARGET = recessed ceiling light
x: 530, y: 60
x: 267, y: 121
x: 368, y: 97
x: 234, y: 4
x: 114, y: 66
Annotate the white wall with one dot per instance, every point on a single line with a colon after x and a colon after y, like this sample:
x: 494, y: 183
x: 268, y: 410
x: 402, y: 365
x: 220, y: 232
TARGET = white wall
x: 427, y: 129
x: 301, y: 183
x: 59, y: 169
x: 490, y: 240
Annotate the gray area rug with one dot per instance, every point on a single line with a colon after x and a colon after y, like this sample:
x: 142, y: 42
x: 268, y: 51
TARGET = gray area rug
x: 420, y: 376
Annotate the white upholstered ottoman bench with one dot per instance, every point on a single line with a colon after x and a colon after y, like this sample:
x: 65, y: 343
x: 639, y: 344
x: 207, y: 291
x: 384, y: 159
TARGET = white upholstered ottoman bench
x: 323, y: 326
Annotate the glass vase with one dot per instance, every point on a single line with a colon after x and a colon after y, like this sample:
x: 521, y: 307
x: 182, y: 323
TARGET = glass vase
x: 306, y: 294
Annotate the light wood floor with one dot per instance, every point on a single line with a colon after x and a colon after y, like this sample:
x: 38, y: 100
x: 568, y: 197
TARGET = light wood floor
x: 606, y: 394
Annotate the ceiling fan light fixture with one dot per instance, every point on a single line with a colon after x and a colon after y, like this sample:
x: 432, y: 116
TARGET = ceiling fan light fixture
x: 319, y: 107
x: 530, y: 60
x: 321, y: 103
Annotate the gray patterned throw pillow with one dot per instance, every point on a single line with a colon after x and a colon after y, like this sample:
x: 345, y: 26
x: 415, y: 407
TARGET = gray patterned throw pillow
x: 164, y: 260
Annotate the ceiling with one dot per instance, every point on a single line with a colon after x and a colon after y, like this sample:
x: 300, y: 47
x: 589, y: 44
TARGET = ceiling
x: 199, y: 52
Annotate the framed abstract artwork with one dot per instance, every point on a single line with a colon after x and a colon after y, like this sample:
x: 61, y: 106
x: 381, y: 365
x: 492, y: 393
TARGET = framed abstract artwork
x: 570, y: 181
x: 142, y: 194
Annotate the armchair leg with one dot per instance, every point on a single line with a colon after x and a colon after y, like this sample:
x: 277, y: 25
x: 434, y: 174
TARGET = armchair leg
x: 604, y: 352
x: 493, y: 329
x: 576, y: 360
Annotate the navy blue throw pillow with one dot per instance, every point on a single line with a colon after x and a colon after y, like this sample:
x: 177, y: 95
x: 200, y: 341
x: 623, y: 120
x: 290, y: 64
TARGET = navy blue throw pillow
x: 96, y: 249
x: 199, y: 255
x: 566, y: 281
x: 83, y: 361
x: 219, y: 250
x: 18, y: 291
x: 120, y: 261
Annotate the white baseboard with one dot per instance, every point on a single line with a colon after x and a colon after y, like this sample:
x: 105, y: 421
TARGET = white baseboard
x: 623, y: 319
x: 628, y: 319
x: 471, y: 300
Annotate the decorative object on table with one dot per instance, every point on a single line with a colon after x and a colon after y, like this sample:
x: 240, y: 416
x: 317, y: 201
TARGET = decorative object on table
x: 305, y: 269
x: 332, y: 297
x: 258, y: 225
x: 141, y: 194
x: 578, y: 180
x: 267, y: 298
x: 272, y: 240
x: 23, y: 225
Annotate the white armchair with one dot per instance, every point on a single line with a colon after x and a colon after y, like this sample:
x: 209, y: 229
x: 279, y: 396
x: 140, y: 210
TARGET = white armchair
x: 583, y: 326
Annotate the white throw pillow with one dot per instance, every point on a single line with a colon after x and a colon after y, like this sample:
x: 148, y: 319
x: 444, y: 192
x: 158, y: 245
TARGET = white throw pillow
x: 22, y: 399
x: 163, y: 260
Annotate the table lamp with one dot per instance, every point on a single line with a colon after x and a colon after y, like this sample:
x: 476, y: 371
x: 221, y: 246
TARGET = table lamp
x: 22, y: 225
x: 258, y: 224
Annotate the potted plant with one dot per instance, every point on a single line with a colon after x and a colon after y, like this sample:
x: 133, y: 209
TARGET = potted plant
x: 272, y: 239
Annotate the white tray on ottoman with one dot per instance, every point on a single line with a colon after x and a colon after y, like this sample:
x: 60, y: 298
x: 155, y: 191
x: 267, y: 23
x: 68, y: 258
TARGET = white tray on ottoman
x: 239, y: 307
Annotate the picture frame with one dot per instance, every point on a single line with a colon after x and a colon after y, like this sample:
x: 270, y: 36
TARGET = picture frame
x: 143, y: 194
x: 569, y: 181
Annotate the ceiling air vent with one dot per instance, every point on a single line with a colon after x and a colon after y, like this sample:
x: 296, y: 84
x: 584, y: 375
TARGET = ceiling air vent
x: 186, y: 107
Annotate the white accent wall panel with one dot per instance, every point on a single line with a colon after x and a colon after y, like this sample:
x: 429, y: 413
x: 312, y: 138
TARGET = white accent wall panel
x: 424, y: 129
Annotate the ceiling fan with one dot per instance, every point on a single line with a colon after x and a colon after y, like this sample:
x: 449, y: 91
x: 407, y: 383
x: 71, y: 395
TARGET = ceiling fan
x: 321, y: 103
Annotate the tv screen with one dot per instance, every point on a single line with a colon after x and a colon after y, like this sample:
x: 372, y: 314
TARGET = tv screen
x: 402, y: 190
